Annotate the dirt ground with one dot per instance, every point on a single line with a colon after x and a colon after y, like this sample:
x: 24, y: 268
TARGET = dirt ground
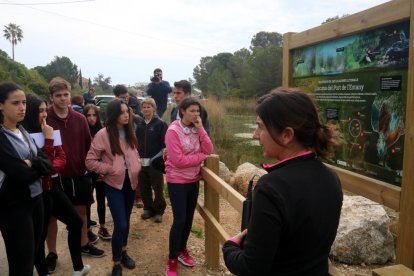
x: 148, y: 245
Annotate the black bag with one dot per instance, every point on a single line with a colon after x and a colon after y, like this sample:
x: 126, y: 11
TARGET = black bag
x: 157, y: 162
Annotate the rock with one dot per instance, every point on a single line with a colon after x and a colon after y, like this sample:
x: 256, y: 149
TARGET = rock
x: 224, y: 172
x: 363, y: 234
x: 244, y: 174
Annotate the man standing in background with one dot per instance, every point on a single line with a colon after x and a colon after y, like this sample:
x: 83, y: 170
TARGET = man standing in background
x: 159, y: 89
x: 88, y: 96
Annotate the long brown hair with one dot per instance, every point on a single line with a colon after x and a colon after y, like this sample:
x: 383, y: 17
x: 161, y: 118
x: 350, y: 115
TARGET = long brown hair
x: 113, y: 111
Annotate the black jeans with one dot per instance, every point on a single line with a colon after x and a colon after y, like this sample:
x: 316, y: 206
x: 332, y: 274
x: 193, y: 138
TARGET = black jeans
x: 152, y: 180
x: 100, y: 202
x: 57, y: 204
x: 183, y: 199
x: 21, y: 226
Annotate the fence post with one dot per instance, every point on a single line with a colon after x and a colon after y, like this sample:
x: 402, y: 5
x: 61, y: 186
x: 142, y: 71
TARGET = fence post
x: 211, y: 202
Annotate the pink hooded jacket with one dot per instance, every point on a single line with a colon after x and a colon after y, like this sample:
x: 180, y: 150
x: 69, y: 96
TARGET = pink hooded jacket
x: 186, y: 151
x: 101, y: 160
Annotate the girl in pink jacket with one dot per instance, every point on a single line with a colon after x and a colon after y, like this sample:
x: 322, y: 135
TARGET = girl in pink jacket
x: 187, y: 145
x: 114, y: 155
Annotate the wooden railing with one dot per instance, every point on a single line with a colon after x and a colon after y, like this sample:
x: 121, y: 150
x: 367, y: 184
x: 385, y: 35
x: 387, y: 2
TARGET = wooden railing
x: 215, y: 234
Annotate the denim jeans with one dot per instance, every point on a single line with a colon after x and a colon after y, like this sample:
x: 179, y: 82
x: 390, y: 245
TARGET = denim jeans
x: 120, y: 203
x: 183, y: 199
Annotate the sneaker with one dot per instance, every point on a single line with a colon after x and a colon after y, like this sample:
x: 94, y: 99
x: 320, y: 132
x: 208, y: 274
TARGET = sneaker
x: 158, y: 218
x: 93, y: 223
x: 171, y: 267
x: 185, y: 258
x: 84, y: 271
x: 139, y: 203
x: 91, y: 250
x: 92, y: 237
x: 147, y: 214
x: 51, y: 262
x: 127, y: 261
x: 117, y: 270
x: 104, y: 234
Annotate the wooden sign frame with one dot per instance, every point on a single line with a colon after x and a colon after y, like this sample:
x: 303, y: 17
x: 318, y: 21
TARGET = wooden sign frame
x: 400, y: 199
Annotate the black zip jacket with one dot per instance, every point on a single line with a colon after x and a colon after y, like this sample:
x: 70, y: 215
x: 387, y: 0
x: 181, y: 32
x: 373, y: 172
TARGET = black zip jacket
x: 19, y: 175
x: 295, y: 215
x: 151, y: 137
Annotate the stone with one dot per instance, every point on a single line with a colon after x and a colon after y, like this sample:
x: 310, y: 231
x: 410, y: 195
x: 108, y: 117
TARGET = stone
x: 224, y: 172
x: 243, y: 175
x: 363, y: 234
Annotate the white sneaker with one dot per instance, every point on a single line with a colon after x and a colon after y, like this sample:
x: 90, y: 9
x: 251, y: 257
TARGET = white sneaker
x: 84, y: 271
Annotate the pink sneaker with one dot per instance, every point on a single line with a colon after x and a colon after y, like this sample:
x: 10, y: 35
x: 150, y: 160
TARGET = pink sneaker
x: 185, y: 258
x: 171, y: 267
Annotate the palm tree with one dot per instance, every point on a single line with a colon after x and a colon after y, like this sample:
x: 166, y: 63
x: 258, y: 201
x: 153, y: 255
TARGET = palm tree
x: 14, y: 34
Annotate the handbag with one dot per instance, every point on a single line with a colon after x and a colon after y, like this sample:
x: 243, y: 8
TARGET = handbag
x: 157, y: 162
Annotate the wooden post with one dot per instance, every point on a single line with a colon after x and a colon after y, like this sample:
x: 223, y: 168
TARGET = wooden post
x: 211, y: 202
x: 405, y: 239
x: 287, y: 60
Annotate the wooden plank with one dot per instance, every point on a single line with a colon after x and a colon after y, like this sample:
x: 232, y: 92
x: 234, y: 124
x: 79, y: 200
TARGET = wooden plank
x: 212, y: 203
x: 225, y: 190
x: 395, y: 270
x: 287, y: 61
x: 405, y: 241
x: 218, y: 230
x: 376, y: 190
x: 375, y: 17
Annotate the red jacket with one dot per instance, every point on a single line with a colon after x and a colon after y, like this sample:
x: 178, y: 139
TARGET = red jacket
x: 58, y: 158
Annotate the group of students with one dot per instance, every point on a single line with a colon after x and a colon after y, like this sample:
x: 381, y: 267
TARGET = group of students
x: 55, y: 182
x: 296, y: 206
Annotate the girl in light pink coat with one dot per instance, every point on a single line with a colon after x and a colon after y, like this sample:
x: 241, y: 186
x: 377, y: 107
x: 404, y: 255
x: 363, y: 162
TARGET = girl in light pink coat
x: 114, y: 155
x: 187, y: 145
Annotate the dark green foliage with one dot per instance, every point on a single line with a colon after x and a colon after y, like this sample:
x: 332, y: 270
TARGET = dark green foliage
x: 60, y: 67
x: 29, y: 80
x: 246, y: 73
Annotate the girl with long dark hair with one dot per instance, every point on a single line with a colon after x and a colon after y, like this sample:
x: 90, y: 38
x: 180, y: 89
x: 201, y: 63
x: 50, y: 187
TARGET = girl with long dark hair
x: 56, y: 203
x: 114, y: 155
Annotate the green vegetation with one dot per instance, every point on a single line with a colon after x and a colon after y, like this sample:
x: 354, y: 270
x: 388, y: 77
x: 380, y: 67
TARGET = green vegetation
x: 228, y: 117
x: 30, y: 80
x: 197, y: 232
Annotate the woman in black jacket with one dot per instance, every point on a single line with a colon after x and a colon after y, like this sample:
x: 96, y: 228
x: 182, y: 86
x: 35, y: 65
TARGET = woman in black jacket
x: 296, y: 206
x: 21, y: 166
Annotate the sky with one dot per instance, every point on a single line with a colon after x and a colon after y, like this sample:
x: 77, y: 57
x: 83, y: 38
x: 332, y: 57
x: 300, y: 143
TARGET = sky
x: 126, y: 39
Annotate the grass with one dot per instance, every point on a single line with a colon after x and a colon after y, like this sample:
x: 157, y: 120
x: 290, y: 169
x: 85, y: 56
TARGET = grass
x: 197, y: 232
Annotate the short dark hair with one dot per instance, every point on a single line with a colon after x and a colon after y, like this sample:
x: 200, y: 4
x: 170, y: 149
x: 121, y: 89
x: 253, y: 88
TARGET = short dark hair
x: 184, y: 85
x: 119, y: 89
x: 186, y: 103
x: 156, y: 70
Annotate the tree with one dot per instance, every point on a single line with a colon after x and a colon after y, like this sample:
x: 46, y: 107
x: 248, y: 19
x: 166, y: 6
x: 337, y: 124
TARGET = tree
x: 336, y: 17
x: 103, y: 83
x: 60, y: 67
x: 266, y: 40
x: 14, y: 34
x: 80, y: 79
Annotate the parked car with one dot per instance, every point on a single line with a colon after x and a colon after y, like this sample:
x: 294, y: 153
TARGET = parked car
x: 101, y: 101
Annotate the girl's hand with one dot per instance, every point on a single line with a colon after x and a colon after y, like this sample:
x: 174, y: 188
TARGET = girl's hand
x: 240, y: 236
x: 47, y: 130
x: 198, y: 123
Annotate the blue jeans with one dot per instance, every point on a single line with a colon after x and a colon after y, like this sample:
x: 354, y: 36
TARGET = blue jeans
x: 120, y: 203
x: 183, y: 199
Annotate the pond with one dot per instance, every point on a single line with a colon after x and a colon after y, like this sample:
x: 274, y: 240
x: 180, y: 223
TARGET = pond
x: 236, y: 145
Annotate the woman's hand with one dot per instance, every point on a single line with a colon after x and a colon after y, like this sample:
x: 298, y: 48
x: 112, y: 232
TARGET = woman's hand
x: 240, y: 236
x: 47, y: 130
x: 198, y: 123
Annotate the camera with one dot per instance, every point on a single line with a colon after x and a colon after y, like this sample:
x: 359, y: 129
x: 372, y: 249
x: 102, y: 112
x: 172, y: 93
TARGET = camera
x: 155, y: 78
